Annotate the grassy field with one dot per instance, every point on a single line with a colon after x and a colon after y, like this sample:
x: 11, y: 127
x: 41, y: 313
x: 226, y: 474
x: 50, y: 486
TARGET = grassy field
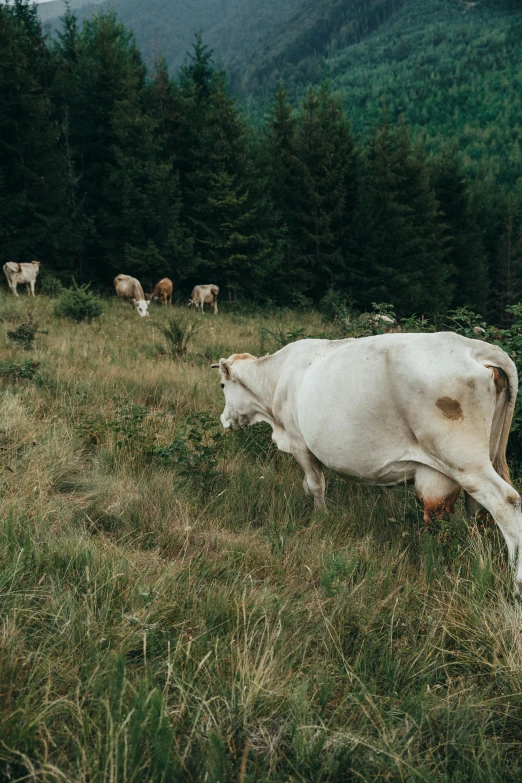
x: 171, y: 608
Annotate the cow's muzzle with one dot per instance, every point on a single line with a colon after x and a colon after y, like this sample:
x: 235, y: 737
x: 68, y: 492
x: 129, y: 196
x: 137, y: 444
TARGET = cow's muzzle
x: 230, y: 424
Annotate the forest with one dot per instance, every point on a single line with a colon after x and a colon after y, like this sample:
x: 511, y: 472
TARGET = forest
x: 230, y: 27
x: 107, y: 167
x: 452, y: 69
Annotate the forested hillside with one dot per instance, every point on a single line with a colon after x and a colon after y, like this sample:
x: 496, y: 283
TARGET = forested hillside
x: 107, y: 167
x: 168, y: 27
x: 454, y: 69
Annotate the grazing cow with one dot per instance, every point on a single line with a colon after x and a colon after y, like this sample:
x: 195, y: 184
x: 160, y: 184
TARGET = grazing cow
x: 204, y: 294
x: 379, y: 322
x: 433, y: 409
x: 162, y: 292
x: 129, y: 289
x: 21, y: 273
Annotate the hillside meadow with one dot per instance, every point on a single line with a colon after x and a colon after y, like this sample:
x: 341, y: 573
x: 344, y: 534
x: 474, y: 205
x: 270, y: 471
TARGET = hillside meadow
x: 172, y: 609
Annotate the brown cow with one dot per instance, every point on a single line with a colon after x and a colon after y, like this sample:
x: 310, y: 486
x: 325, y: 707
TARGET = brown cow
x: 162, y: 292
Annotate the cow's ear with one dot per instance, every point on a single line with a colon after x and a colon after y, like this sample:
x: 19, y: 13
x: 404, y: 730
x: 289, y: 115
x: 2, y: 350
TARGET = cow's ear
x: 225, y: 368
x: 215, y: 365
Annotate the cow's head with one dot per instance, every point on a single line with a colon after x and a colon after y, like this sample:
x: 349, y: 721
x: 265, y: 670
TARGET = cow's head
x: 242, y: 407
x: 142, y: 307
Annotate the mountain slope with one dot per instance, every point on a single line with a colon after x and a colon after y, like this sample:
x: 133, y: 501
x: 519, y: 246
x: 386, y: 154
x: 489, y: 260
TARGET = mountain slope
x: 167, y: 27
x: 299, y: 46
x: 453, y: 69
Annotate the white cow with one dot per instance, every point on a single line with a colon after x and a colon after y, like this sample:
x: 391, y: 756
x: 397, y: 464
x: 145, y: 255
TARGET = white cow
x: 204, y: 294
x: 379, y: 321
x: 21, y: 273
x: 129, y: 289
x: 434, y: 409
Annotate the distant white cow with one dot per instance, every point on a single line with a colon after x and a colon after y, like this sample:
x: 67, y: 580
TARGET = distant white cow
x: 204, y: 294
x: 379, y: 322
x: 129, y: 289
x: 21, y: 273
x: 433, y: 409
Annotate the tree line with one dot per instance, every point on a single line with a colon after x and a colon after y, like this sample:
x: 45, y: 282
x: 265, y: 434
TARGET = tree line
x: 106, y: 167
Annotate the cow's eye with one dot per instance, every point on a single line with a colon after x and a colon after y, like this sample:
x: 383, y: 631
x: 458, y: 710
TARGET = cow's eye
x: 222, y: 385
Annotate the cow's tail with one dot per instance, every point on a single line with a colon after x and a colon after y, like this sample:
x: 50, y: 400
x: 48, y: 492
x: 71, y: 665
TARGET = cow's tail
x: 506, y: 383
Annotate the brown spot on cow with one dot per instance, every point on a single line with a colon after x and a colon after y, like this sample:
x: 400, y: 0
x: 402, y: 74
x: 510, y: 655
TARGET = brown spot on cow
x: 450, y: 408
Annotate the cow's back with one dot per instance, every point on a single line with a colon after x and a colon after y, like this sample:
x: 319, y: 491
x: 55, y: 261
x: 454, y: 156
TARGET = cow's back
x: 380, y: 395
x: 128, y: 287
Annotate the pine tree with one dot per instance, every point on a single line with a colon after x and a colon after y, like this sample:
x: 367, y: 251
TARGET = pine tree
x: 218, y: 180
x: 283, y: 172
x: 399, y: 239
x: 35, y: 220
x: 140, y: 229
x: 325, y: 200
x: 313, y: 170
x: 506, y: 263
x: 466, y: 252
x: 99, y: 69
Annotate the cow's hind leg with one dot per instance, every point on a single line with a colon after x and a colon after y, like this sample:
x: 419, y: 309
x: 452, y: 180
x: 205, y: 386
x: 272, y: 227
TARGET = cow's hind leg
x: 502, y: 501
x: 313, y: 483
x: 437, y: 492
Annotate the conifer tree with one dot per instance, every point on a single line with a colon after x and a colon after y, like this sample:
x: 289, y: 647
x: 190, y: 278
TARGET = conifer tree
x: 325, y: 200
x: 466, y: 252
x: 506, y: 261
x: 141, y: 227
x: 312, y: 164
x: 399, y: 239
x: 216, y: 174
x: 34, y: 216
x: 283, y: 172
x: 127, y: 184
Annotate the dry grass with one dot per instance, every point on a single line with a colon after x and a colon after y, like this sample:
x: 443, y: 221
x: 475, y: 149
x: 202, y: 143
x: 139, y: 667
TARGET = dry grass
x: 165, y: 621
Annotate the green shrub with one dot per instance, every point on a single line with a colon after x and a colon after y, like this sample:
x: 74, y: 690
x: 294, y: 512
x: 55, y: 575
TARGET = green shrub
x: 50, y: 285
x: 197, y: 447
x: 178, y: 333
x: 25, y: 370
x: 333, y: 307
x: 129, y: 425
x: 78, y: 303
x: 24, y: 335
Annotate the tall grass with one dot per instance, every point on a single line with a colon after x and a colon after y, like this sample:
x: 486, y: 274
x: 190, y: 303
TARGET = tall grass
x: 158, y: 624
